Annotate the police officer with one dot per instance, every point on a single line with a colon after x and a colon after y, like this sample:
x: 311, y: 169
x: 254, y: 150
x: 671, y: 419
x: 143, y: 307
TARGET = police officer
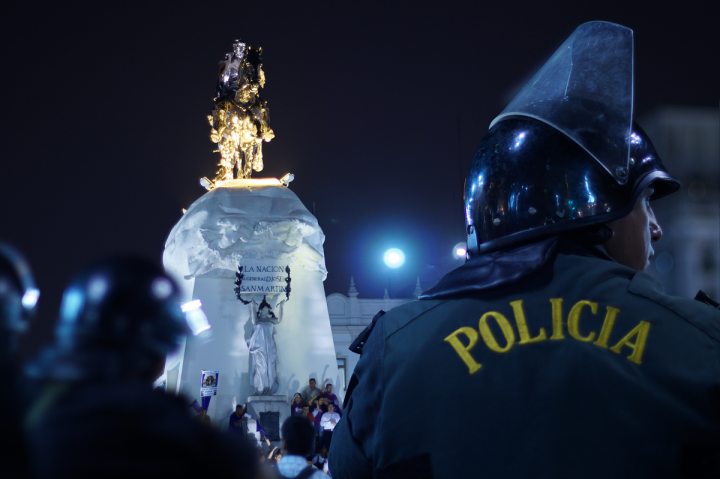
x: 18, y: 297
x: 563, y: 358
x: 97, y: 415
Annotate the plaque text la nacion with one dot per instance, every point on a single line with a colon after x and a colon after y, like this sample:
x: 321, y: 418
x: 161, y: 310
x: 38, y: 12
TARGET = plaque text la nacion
x: 263, y: 277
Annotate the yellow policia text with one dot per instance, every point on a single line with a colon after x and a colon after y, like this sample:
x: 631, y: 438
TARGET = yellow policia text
x: 635, y: 339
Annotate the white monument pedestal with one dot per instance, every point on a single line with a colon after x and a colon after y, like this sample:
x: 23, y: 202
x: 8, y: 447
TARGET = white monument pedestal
x: 250, y: 220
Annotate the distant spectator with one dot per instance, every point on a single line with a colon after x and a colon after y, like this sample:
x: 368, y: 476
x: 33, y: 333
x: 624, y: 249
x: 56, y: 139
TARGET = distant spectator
x: 306, y: 413
x: 319, y: 407
x: 275, y: 456
x: 320, y: 404
x: 238, y: 420
x: 297, y: 436
x: 321, y: 458
x: 328, y: 422
x: 296, y: 405
x: 324, y: 386
x: 310, y: 392
x: 332, y: 398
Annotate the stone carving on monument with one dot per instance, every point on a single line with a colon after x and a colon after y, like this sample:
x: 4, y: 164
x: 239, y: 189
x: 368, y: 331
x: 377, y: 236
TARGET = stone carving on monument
x: 235, y: 249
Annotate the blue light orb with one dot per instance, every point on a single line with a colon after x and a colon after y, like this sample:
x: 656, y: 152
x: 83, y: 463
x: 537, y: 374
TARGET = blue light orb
x: 460, y: 250
x: 394, y: 258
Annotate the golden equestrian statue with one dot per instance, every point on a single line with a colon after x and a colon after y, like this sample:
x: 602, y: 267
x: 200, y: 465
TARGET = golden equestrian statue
x: 240, y: 121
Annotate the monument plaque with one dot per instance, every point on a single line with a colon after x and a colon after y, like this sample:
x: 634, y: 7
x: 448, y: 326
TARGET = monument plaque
x: 262, y: 278
x: 271, y: 423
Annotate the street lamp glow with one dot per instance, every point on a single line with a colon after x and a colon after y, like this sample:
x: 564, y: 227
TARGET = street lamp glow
x: 394, y: 258
x: 460, y: 250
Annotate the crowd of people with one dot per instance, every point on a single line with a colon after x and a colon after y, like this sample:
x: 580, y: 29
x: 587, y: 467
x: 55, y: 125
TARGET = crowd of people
x: 321, y: 407
x: 320, y: 415
x: 296, y: 456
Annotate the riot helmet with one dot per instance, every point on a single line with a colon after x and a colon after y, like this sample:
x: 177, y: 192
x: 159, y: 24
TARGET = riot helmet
x: 18, y: 297
x: 118, y: 318
x: 565, y: 154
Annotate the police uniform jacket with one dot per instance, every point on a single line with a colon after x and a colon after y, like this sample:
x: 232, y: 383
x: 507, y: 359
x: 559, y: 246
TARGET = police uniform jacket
x: 553, y: 361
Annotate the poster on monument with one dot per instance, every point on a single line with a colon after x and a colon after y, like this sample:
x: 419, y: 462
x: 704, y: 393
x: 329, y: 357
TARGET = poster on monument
x: 208, y: 384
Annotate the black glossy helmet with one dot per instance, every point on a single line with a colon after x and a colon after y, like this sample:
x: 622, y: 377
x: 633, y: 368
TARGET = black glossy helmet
x: 118, y: 317
x: 18, y: 296
x: 565, y: 154
x: 529, y: 181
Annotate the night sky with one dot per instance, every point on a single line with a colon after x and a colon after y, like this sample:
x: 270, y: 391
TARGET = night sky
x: 376, y: 110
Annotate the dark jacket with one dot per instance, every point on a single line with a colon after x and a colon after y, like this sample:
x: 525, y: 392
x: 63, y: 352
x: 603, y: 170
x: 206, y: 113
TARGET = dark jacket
x: 127, y: 430
x: 578, y: 367
x: 14, y: 397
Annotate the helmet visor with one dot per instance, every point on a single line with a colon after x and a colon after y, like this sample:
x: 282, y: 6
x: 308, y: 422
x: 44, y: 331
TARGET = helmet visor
x: 585, y: 90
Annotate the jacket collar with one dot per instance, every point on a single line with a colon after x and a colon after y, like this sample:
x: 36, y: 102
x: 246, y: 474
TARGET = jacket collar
x: 498, y: 268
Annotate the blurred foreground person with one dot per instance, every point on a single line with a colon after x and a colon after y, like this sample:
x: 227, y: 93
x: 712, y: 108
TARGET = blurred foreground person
x: 18, y: 297
x: 97, y: 415
x: 297, y: 434
x: 568, y: 360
